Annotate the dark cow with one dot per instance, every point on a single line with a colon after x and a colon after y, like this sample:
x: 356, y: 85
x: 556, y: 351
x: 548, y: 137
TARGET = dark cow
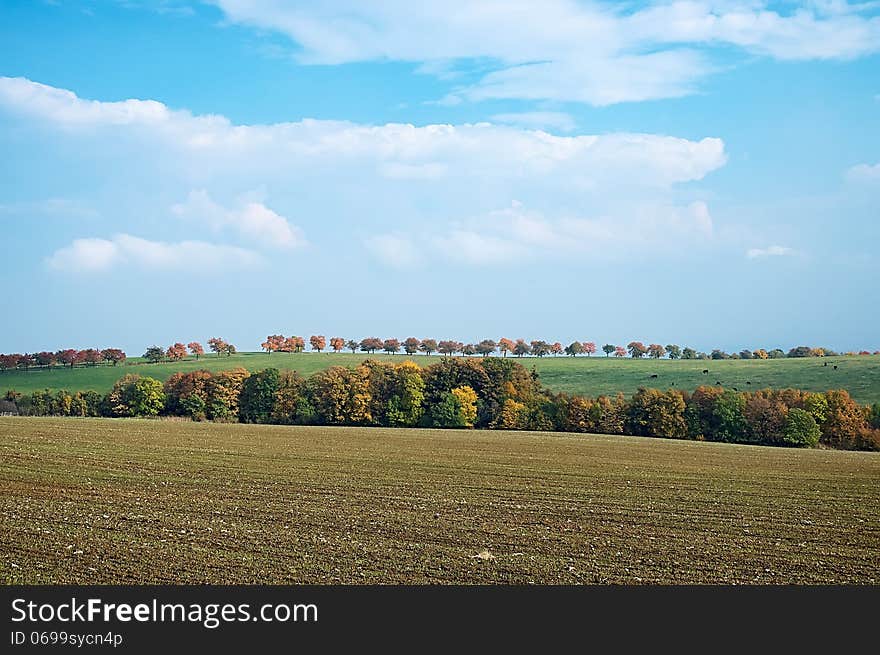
x: 654, y: 376
x: 735, y: 389
x: 717, y: 382
x: 748, y: 382
x: 835, y: 367
x: 825, y: 364
x: 705, y: 371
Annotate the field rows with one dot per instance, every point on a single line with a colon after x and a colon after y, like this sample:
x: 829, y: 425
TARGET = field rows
x: 117, y: 501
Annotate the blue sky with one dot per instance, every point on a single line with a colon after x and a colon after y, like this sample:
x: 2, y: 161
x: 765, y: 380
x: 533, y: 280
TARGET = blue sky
x: 705, y: 173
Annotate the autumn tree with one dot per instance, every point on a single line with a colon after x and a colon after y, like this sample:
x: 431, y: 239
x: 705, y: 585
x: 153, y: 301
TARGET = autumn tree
x: 556, y: 349
x: 574, y: 349
x: 337, y: 344
x: 341, y: 396
x: 608, y: 349
x: 66, y: 357
x: 540, y: 348
x: 273, y: 343
x: 176, y: 352
x: 154, y: 354
x: 505, y: 346
x: 656, y: 351
x: 619, y: 351
x: 186, y: 394
x: 217, y: 345
x: 396, y: 393
x: 428, y: 346
x: 521, y: 348
x: 318, y: 342
x: 486, y: 347
x: 411, y: 346
x: 294, y: 344
x: 90, y: 356
x: 391, y: 346
x: 371, y: 344
x: 636, y: 349
x: 449, y: 347
x: 589, y: 347
x: 223, y: 390
x: 195, y: 349
x: 45, y: 358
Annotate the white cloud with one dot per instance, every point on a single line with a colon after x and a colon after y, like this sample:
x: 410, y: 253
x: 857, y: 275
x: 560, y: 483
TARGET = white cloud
x: 598, y: 53
x: 252, y: 220
x: 516, y: 233
x: 413, y: 183
x: 538, y: 119
x: 394, y: 250
x: 287, y: 150
x: 864, y: 174
x: 99, y: 255
x: 772, y: 251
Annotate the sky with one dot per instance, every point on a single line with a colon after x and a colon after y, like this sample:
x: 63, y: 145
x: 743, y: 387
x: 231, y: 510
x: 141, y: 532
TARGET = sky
x: 702, y: 173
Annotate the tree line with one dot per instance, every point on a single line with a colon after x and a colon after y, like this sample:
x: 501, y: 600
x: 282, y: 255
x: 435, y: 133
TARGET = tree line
x: 411, y: 346
x: 491, y: 393
x: 68, y: 357
x: 523, y: 348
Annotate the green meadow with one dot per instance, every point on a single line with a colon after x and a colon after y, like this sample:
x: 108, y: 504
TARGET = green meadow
x: 589, y: 376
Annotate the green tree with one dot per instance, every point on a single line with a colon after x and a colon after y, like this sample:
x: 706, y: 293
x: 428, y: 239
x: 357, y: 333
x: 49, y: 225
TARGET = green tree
x: 574, y: 349
x: 154, y: 354
x: 801, y: 429
x: 257, y: 398
x: 729, y: 412
x: 673, y: 351
x: 133, y: 395
x: 608, y: 349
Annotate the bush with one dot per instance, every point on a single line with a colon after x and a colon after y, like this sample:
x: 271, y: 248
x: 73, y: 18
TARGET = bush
x: 801, y: 429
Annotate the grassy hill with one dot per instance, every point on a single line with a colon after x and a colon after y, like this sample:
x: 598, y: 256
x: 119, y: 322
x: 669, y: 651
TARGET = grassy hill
x: 98, y: 501
x: 590, y: 376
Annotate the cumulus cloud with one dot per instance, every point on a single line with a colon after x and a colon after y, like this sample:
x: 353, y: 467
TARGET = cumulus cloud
x: 252, y: 220
x: 392, y: 151
x: 100, y: 255
x: 401, y: 180
x: 772, y: 251
x: 515, y: 233
x: 597, y: 53
x: 864, y: 174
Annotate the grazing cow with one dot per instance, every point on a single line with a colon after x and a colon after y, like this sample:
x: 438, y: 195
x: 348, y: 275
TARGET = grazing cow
x: 835, y: 367
x: 735, y: 389
x: 825, y: 364
x: 654, y: 376
x: 748, y: 382
x: 717, y: 382
x: 705, y: 371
